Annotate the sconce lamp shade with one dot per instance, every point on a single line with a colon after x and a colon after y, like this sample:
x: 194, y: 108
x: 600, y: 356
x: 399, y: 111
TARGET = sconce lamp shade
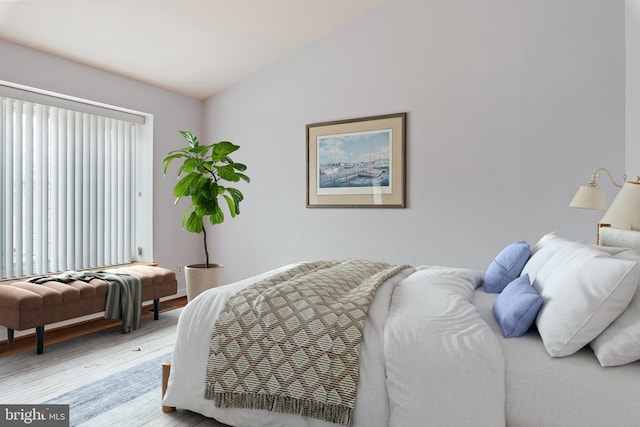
x: 624, y: 212
x: 589, y: 197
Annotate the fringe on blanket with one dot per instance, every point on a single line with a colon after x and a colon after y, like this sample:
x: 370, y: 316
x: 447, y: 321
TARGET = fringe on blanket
x: 338, y: 414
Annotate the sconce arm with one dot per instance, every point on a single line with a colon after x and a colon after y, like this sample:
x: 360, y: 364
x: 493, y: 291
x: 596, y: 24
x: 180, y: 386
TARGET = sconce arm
x: 596, y: 175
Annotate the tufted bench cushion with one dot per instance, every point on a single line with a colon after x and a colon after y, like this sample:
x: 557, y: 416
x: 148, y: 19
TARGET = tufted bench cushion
x: 25, y: 305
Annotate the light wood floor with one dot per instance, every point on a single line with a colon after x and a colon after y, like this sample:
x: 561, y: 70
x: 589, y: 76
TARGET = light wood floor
x: 80, y: 359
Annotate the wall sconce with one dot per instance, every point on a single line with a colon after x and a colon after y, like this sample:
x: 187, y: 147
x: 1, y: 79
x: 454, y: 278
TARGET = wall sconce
x: 591, y: 196
x: 624, y: 212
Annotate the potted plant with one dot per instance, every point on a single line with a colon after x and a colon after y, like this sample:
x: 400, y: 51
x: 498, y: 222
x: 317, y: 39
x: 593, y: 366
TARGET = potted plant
x: 202, y: 174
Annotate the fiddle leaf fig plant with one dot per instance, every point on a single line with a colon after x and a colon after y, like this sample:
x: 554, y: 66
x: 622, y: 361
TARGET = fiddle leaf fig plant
x: 203, y: 175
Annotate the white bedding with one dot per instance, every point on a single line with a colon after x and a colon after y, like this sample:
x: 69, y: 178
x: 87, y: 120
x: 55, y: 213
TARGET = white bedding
x: 444, y: 364
x: 432, y: 355
x: 388, y: 359
x: 561, y: 392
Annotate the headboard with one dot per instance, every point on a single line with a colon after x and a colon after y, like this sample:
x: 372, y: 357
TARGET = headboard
x: 610, y: 236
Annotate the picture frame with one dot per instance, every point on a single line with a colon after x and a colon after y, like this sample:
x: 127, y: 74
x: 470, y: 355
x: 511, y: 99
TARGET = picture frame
x: 357, y: 163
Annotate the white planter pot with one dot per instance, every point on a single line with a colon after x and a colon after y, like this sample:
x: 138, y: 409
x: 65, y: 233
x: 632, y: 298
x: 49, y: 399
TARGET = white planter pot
x: 199, y: 279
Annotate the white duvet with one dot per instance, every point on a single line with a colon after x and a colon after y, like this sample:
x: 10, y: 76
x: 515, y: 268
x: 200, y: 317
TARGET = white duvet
x: 427, y: 357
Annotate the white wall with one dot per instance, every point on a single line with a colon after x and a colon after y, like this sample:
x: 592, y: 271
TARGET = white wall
x: 632, y: 27
x: 511, y: 106
x: 172, y: 245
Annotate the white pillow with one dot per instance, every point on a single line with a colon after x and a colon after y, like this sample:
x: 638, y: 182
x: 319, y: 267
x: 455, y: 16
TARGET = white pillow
x: 611, y: 236
x: 619, y: 344
x: 584, y: 290
x: 541, y: 252
x: 611, y: 250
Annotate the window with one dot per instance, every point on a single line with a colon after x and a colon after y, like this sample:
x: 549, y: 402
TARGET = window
x: 68, y: 188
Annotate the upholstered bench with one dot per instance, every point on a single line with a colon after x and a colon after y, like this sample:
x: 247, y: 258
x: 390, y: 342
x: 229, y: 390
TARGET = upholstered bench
x: 25, y: 305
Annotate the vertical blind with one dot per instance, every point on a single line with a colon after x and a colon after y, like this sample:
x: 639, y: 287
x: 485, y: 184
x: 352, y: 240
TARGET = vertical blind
x: 67, y: 189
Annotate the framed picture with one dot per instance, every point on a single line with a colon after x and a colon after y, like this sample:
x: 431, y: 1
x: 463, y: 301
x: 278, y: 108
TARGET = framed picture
x: 357, y: 163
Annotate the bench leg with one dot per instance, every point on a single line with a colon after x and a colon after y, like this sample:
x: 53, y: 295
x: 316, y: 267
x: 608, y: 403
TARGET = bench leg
x: 40, y: 339
x: 156, y: 308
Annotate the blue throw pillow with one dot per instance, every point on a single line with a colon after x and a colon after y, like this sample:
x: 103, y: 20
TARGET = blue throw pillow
x: 506, y: 266
x: 517, y: 307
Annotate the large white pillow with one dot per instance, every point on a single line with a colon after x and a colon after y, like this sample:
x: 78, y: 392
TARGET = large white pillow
x: 542, y: 252
x: 619, y: 344
x: 583, y: 290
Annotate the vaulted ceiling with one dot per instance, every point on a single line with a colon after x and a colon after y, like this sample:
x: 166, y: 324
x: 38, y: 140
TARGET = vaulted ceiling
x: 194, y: 47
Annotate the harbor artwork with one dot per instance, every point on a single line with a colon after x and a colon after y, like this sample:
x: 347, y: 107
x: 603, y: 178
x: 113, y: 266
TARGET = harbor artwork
x: 357, y: 163
x: 354, y: 163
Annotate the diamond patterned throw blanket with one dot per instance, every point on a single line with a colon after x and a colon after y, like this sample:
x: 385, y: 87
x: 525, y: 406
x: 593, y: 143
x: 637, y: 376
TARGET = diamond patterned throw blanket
x: 291, y: 343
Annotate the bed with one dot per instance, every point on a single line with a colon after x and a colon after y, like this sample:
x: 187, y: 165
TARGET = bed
x: 433, y: 349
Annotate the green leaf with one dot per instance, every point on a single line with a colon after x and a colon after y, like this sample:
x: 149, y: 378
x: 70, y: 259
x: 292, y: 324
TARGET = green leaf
x: 202, y: 150
x: 194, y: 223
x: 190, y: 137
x: 222, y: 149
x: 236, y: 194
x: 227, y: 173
x: 185, y: 216
x: 192, y: 164
x: 217, y: 217
x: 243, y: 177
x: 185, y: 186
x: 200, y: 189
x: 167, y: 160
x: 234, y: 208
x: 205, y: 204
x: 205, y: 167
x: 198, y: 150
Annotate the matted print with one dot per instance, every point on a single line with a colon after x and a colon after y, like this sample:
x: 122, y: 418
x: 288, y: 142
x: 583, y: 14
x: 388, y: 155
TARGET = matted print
x: 357, y: 162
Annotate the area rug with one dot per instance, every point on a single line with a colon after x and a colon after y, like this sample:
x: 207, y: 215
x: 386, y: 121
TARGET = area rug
x: 93, y: 399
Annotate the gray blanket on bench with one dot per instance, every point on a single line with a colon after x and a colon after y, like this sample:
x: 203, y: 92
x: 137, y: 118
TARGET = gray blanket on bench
x: 124, y: 294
